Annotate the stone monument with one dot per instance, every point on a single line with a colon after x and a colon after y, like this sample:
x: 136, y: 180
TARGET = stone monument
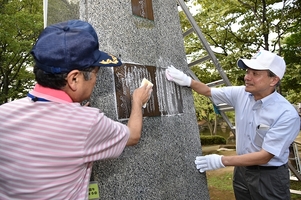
x: 146, y: 35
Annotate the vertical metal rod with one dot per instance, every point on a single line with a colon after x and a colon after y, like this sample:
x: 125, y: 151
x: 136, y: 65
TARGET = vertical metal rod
x: 45, y: 12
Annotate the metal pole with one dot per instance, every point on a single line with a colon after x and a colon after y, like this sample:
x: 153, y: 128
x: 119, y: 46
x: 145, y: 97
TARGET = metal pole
x: 45, y: 12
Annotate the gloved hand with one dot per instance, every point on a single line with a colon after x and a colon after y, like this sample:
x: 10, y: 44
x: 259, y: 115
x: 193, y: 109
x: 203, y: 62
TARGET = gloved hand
x: 177, y: 76
x: 209, y: 162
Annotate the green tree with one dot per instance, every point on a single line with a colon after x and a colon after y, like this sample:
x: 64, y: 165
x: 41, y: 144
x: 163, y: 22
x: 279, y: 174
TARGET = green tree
x: 292, y: 56
x: 20, y: 24
x: 237, y: 29
x: 291, y: 51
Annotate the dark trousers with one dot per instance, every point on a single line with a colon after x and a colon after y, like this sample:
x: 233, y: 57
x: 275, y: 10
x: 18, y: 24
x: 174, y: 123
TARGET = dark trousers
x: 259, y: 183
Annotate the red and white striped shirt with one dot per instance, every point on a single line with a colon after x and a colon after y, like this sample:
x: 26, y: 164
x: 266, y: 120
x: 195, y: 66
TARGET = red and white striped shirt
x: 47, y: 148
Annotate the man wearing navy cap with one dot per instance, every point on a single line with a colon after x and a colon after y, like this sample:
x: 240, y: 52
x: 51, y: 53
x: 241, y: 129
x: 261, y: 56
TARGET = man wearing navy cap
x: 48, y: 140
x: 266, y: 124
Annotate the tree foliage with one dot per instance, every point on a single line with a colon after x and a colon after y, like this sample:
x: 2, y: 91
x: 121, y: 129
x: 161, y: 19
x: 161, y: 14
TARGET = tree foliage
x: 20, y: 25
x: 292, y: 55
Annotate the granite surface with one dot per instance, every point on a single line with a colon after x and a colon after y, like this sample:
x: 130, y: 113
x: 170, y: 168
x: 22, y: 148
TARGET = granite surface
x: 162, y: 165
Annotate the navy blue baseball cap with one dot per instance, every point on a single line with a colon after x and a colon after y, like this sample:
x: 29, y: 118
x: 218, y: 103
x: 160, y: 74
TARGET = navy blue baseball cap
x: 70, y: 45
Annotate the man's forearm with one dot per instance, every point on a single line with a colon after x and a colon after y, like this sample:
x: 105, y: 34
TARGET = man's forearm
x: 135, y: 124
x: 200, y: 88
x: 255, y: 158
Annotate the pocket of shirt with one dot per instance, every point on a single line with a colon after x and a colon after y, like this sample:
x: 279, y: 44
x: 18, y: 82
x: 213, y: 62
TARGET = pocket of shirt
x: 260, y: 133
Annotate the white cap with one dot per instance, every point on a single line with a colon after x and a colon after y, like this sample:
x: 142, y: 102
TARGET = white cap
x: 264, y: 60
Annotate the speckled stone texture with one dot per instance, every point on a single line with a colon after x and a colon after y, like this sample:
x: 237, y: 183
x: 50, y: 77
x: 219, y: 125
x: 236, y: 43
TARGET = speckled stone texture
x: 162, y: 165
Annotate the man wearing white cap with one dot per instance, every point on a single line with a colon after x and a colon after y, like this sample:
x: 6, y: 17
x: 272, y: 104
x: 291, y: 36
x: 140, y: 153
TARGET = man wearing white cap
x: 266, y: 125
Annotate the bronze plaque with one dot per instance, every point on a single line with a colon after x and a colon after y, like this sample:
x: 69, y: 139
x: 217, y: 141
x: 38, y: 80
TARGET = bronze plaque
x: 143, y: 8
x: 128, y: 77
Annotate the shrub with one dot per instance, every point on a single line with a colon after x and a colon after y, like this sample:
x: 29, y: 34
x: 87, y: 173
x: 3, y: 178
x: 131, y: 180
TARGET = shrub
x: 212, y: 140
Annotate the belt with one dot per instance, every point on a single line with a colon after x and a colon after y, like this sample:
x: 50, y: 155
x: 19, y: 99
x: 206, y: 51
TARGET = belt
x: 258, y: 167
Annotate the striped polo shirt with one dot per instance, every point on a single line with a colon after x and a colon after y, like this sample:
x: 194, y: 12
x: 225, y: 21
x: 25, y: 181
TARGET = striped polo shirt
x: 47, y: 147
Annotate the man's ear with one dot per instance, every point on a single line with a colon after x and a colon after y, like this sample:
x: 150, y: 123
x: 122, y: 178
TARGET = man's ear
x: 275, y: 80
x: 73, y: 79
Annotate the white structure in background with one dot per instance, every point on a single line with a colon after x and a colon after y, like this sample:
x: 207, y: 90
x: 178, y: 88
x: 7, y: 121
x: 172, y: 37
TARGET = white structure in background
x: 45, y: 12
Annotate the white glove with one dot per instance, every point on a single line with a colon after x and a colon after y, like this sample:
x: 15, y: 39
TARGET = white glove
x: 177, y: 76
x: 209, y: 162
